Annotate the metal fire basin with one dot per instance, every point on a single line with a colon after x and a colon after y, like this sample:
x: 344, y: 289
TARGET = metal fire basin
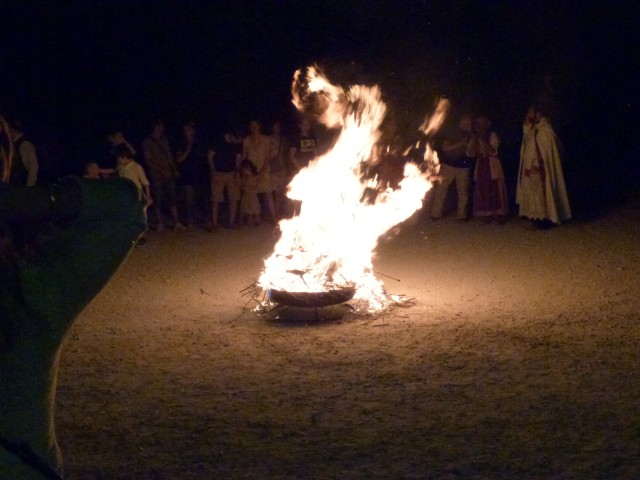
x: 311, y: 299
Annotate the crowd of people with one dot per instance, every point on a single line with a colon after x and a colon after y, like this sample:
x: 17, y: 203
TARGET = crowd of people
x: 231, y: 181
x: 240, y: 178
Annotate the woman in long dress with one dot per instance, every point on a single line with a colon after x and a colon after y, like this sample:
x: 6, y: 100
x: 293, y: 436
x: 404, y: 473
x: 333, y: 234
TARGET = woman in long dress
x: 490, y: 200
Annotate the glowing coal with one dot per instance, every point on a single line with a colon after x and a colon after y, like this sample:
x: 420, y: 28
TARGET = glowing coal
x: 329, y: 245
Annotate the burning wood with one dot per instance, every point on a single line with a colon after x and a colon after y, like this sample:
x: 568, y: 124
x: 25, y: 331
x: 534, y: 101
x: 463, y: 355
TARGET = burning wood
x: 327, y: 248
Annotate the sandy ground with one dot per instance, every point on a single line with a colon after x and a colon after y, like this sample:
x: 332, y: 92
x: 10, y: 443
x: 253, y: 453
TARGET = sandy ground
x: 519, y: 360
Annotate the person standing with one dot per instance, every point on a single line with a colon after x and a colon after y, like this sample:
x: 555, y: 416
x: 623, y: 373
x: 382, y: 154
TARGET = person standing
x: 490, y: 200
x: 249, y: 205
x: 257, y: 149
x: 224, y: 167
x: 191, y: 166
x: 162, y: 173
x: 130, y: 169
x: 541, y: 193
x: 455, y: 167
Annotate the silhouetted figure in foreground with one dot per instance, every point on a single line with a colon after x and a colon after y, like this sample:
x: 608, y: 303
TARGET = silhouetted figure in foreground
x: 91, y: 226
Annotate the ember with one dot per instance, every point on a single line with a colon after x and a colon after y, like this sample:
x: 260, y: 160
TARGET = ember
x: 325, y: 252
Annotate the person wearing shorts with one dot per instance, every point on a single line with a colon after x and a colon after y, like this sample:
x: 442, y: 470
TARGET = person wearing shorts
x: 224, y: 165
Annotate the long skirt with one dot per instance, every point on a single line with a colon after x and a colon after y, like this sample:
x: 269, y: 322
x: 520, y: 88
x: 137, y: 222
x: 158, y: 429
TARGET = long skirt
x: 490, y: 190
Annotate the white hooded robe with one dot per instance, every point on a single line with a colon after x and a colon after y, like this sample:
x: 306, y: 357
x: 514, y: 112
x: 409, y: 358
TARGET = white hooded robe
x: 541, y: 192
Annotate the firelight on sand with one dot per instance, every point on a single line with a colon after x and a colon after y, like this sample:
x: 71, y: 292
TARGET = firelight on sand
x: 329, y: 245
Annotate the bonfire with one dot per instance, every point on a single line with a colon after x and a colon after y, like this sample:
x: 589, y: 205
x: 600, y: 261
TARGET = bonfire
x: 325, y: 252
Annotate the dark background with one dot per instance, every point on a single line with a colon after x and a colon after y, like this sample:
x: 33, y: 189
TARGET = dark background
x: 72, y: 69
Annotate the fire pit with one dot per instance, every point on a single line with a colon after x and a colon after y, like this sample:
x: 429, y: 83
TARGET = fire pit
x: 311, y: 299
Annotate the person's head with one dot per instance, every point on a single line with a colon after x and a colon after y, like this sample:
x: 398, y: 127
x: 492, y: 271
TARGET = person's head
x: 91, y: 170
x: 189, y: 130
x: 157, y: 128
x: 305, y: 126
x: 537, y: 111
x: 115, y: 137
x: 465, y: 123
x: 482, y: 125
x: 255, y: 127
x: 123, y: 154
x: 530, y: 117
x: 276, y: 128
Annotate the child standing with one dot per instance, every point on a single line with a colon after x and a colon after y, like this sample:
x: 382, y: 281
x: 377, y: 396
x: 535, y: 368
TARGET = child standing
x: 249, y: 205
x: 132, y: 170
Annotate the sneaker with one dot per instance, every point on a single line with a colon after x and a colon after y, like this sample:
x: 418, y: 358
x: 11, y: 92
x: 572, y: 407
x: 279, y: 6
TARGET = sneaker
x: 179, y: 226
x: 141, y: 242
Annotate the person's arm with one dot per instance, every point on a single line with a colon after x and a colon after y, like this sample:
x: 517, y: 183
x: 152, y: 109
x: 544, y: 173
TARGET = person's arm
x: 129, y: 146
x: 211, y: 154
x: 267, y: 158
x: 146, y: 186
x: 30, y: 160
x: 449, y: 146
x: 238, y: 171
x: 494, y: 143
x: 173, y: 167
x: 119, y: 139
x: 293, y: 160
x: 473, y: 147
x: 182, y: 156
x: 147, y: 193
x: 455, y: 149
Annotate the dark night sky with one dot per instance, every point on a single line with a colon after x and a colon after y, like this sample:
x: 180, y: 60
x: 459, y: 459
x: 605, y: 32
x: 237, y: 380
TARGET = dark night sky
x: 75, y: 67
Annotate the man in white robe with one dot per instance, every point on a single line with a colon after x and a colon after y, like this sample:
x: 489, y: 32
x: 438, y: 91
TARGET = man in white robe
x: 541, y: 193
